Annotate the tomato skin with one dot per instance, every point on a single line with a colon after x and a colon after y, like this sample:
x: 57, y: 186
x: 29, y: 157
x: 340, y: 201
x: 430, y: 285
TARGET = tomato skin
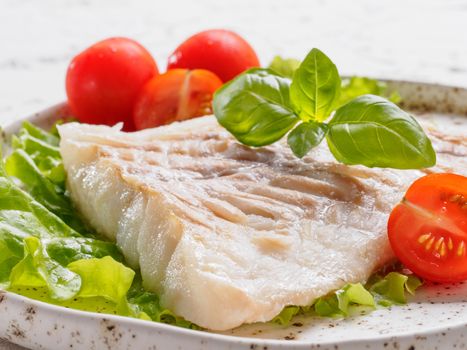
x: 176, y: 95
x: 428, y: 229
x: 103, y: 81
x: 222, y: 52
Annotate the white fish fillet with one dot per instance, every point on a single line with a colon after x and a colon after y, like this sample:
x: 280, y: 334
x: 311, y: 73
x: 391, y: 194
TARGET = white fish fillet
x: 227, y: 234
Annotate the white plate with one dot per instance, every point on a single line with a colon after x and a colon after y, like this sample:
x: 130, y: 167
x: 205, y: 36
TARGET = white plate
x: 435, y: 318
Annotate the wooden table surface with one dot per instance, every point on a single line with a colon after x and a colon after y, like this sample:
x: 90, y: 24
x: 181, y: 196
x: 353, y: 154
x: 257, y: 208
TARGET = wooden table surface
x: 423, y: 40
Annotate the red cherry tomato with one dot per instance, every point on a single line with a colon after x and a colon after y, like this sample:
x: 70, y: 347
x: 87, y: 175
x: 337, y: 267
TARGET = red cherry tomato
x: 221, y: 51
x: 103, y: 81
x: 176, y: 95
x: 428, y: 229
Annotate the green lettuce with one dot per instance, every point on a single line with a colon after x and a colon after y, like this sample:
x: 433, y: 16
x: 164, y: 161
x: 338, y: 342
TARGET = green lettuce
x: 284, y: 66
x: 357, y: 86
x: 148, y: 303
x: 393, y: 288
x: 36, y: 162
x: 42, y: 147
x: 37, y: 269
x: 286, y: 315
x: 383, y: 291
x: 67, y: 250
x: 11, y: 251
x: 103, y: 277
x: 342, y: 301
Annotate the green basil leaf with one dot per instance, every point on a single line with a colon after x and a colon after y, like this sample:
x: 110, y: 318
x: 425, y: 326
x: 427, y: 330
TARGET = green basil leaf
x: 315, y: 87
x: 374, y: 132
x: 306, y: 136
x: 357, y: 86
x: 284, y: 66
x: 255, y: 107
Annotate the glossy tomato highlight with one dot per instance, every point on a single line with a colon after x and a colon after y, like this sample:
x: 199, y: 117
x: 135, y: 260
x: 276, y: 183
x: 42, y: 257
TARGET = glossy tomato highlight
x: 103, y: 81
x: 176, y: 95
x: 222, y: 52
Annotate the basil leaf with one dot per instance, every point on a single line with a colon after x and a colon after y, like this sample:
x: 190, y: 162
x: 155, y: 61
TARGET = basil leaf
x: 255, y: 107
x: 376, y: 133
x: 285, y: 67
x: 315, y: 87
x: 306, y: 136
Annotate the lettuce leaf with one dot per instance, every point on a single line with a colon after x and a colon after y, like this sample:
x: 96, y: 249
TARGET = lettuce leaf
x: 37, y: 269
x: 392, y: 288
x: 103, y: 277
x: 11, y: 251
x: 67, y: 250
x: 48, y: 137
x: 37, y: 163
x: 147, y: 303
x: 353, y: 298
x: 341, y: 302
x: 41, y: 188
x: 284, y: 66
x: 43, y: 149
x: 286, y: 315
x: 20, y: 212
x: 357, y: 86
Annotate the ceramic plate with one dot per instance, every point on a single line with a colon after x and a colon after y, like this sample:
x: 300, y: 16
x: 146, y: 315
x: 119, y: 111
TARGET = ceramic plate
x: 435, y: 318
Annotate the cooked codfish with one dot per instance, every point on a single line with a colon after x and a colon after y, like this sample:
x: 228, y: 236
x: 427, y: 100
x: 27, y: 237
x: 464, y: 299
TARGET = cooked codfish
x: 227, y: 234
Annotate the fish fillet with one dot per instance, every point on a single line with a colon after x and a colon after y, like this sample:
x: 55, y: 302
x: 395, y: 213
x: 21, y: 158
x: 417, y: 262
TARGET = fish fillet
x: 226, y: 234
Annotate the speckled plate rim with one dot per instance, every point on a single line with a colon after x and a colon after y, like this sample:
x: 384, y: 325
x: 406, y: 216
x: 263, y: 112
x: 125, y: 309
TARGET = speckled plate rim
x: 417, y: 96
x: 211, y: 341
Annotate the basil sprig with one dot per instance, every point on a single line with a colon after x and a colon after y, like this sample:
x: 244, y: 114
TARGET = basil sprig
x: 259, y: 107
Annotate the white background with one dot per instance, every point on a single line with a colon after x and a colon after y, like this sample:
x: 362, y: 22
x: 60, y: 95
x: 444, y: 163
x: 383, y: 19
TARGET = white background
x: 411, y: 39
x: 401, y: 39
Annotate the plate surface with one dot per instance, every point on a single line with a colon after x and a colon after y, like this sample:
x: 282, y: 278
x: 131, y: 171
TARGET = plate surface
x: 435, y: 318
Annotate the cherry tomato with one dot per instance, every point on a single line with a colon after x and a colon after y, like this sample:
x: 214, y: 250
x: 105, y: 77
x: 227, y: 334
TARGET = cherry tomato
x: 221, y: 51
x: 176, y: 95
x: 103, y: 81
x: 428, y: 229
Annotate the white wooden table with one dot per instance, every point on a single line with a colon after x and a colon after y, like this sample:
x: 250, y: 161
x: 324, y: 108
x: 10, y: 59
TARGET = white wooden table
x: 401, y: 39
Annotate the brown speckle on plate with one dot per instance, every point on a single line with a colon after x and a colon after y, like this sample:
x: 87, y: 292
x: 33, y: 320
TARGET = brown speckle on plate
x: 15, y: 331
